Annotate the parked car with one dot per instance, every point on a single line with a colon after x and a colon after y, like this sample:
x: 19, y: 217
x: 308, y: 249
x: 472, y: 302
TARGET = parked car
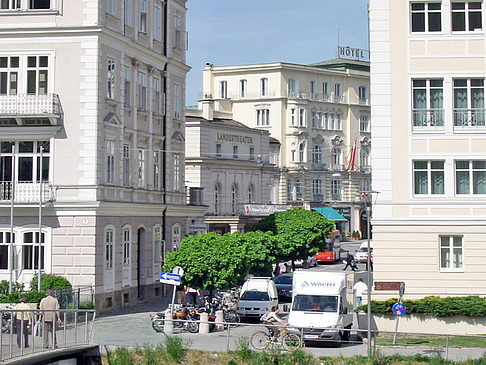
x: 283, y: 283
x: 362, y: 253
x: 311, y: 261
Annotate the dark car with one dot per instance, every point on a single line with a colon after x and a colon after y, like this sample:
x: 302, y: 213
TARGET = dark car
x: 283, y: 283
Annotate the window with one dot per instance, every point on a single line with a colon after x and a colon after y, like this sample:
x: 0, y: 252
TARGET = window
x: 128, y: 79
x: 428, y: 103
x: 313, y: 90
x: 325, y: 121
x: 177, y: 101
x: 156, y: 85
x: 177, y: 172
x: 338, y: 122
x: 301, y: 117
x: 159, y: 249
x: 336, y: 158
x: 39, y: 4
x: 293, y: 155
x: 364, y: 186
x: 234, y: 200
x: 235, y: 151
x: 111, y: 7
x: 110, y: 162
x: 142, y: 91
x: 317, y: 186
x: 426, y: 17
x: 325, y: 90
x: 127, y: 238
x: 364, y: 157
x: 156, y: 169
x: 292, y: 117
x: 336, y: 189
x: 157, y: 24
x: 126, y: 165
x: 363, y: 95
x: 178, y: 32
x: 217, y: 199
x: 470, y: 177
x: 302, y: 154
x: 9, y: 75
x: 252, y: 153
x: 451, y: 253
x: 110, y: 75
x: 337, y: 93
x: 364, y: 123
x: 290, y: 190
x: 263, y: 117
x: 30, y: 251
x: 223, y: 89
x: 243, y: 88
x: 128, y: 12
x: 176, y: 236
x: 428, y: 177
x: 315, y: 117
x: 4, y: 248
x: 292, y: 88
x: 37, y: 67
x: 317, y: 154
x: 469, y: 102
x: 218, y: 150
x: 298, y: 189
x: 27, y: 162
x: 466, y: 16
x: 250, y: 193
x: 264, y: 87
x: 10, y: 4
x: 109, y: 249
x: 142, y: 26
x: 141, y: 168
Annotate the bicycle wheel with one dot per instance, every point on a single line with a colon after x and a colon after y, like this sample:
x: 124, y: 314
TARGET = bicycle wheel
x: 291, y: 342
x: 259, y: 340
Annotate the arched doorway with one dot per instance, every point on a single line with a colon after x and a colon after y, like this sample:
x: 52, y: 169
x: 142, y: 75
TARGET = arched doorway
x: 363, y: 222
x: 141, y: 262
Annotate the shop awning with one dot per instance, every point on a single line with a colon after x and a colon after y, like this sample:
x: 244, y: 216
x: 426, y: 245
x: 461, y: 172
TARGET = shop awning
x: 330, y: 213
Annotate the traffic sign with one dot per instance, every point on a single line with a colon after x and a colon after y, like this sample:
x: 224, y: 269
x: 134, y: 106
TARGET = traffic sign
x: 388, y: 285
x: 170, y: 278
x: 399, y: 309
x: 178, y: 270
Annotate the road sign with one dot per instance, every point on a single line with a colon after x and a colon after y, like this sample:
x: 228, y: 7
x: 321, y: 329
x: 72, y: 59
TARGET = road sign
x: 170, y: 278
x: 399, y: 309
x: 178, y: 270
x: 388, y: 285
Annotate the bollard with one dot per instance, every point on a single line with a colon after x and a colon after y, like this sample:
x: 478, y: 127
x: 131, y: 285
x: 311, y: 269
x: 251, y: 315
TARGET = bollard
x: 204, y: 325
x: 219, y: 319
x: 168, y: 324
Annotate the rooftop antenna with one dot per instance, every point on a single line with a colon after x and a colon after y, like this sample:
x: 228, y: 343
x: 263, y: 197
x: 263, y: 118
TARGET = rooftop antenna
x: 338, y: 42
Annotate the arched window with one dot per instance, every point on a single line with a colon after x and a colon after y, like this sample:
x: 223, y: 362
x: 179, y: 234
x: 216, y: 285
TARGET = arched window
x: 250, y: 193
x: 109, y: 237
x: 317, y: 154
x: 290, y: 190
x: 234, y: 198
x: 336, y: 158
x: 127, y: 239
x: 302, y: 152
x: 217, y: 199
x: 176, y: 236
x: 159, y: 247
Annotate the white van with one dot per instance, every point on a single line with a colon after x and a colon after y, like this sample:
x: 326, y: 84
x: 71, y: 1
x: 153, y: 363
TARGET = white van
x: 362, y: 254
x: 257, y: 296
x: 322, y: 302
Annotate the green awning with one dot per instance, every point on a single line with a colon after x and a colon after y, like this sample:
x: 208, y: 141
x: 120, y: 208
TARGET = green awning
x: 330, y: 213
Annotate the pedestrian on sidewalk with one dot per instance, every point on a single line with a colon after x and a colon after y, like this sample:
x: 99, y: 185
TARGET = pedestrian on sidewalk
x: 22, y: 320
x: 50, y: 306
x: 349, y: 261
x: 358, y: 289
x: 193, y: 294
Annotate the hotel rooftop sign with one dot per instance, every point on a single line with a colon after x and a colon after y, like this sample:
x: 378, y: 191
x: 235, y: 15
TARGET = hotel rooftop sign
x: 356, y: 54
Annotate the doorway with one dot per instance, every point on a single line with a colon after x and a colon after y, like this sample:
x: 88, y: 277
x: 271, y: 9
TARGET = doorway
x: 140, y: 262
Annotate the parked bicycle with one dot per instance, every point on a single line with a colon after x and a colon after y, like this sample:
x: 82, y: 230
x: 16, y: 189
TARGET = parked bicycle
x: 260, y: 340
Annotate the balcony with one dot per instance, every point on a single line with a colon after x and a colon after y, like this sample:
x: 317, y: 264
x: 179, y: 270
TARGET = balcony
x: 195, y: 196
x: 364, y: 101
x: 428, y: 119
x: 24, y: 107
x: 26, y: 192
x: 317, y: 198
x: 336, y: 197
x: 469, y: 119
x: 337, y: 167
x: 319, y: 166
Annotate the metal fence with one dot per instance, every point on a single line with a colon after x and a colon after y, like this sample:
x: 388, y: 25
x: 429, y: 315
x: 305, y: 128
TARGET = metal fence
x: 26, y: 332
x: 71, y: 298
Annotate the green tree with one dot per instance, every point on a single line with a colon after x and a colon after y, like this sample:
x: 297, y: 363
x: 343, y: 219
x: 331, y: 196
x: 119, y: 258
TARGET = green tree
x: 299, y: 232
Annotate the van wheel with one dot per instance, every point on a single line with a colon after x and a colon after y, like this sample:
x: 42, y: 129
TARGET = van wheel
x: 337, y: 341
x: 346, y: 334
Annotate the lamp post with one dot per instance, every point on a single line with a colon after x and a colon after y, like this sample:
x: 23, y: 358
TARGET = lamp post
x: 39, y: 258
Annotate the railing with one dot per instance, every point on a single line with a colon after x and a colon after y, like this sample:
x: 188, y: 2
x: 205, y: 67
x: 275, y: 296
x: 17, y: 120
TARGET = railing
x: 469, y: 118
x: 337, y: 167
x: 319, y: 166
x: 428, y: 118
x: 338, y: 197
x: 364, y: 101
x: 317, y: 197
x: 26, y: 192
x: 18, y: 338
x: 30, y: 105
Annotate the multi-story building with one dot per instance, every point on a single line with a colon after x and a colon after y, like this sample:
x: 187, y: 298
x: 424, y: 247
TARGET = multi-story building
x: 318, y: 113
x: 234, y: 165
x: 91, y: 115
x: 429, y: 144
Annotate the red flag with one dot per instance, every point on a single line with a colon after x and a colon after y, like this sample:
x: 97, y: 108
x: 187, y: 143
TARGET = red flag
x: 352, y: 157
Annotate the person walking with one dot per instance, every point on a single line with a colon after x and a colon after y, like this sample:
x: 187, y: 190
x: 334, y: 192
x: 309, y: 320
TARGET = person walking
x: 358, y: 289
x: 50, y: 305
x: 193, y: 294
x: 22, y: 320
x: 349, y: 261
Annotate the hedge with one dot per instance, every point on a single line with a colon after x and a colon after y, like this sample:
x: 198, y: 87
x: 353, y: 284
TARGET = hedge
x: 471, y: 306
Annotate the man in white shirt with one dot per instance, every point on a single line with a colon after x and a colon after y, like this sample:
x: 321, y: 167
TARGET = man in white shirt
x: 358, y: 289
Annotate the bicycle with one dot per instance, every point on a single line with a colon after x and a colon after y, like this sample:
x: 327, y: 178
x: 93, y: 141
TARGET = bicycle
x: 289, y: 341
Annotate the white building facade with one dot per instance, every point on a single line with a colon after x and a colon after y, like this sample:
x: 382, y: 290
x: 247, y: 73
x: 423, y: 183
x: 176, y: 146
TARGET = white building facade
x: 318, y: 113
x: 429, y: 145
x: 97, y: 88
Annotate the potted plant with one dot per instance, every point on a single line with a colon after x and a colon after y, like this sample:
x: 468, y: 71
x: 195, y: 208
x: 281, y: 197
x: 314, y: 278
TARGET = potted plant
x: 355, y: 235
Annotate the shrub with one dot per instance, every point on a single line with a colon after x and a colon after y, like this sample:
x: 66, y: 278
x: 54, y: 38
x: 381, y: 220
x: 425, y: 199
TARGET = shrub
x: 50, y: 281
x: 87, y: 304
x: 175, y: 348
x: 32, y: 297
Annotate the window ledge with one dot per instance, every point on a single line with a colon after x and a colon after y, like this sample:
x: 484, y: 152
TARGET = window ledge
x: 461, y: 270
x: 111, y: 101
x: 110, y: 15
x: 30, y: 12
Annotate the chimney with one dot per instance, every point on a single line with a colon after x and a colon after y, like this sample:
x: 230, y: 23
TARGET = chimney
x: 207, y: 109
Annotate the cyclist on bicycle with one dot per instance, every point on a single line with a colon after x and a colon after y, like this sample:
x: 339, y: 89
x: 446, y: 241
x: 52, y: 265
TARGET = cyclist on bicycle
x: 270, y: 318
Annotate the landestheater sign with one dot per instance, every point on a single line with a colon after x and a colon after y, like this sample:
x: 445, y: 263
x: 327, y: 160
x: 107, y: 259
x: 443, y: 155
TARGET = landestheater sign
x: 234, y: 138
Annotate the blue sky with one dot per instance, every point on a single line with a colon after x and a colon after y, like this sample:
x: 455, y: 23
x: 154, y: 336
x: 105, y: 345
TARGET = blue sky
x: 230, y: 32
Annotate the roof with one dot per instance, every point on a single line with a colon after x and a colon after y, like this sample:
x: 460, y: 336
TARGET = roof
x: 218, y: 121
x: 343, y: 64
x: 330, y: 213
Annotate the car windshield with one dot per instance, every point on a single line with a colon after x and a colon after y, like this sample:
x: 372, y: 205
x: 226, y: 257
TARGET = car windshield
x: 283, y: 279
x: 363, y: 249
x: 315, y: 303
x: 255, y: 295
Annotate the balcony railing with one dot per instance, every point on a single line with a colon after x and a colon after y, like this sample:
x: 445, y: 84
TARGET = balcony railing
x: 195, y: 196
x: 317, y: 198
x: 337, y: 167
x: 469, y: 118
x: 26, y: 192
x: 26, y: 105
x: 337, y: 197
x: 428, y: 118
